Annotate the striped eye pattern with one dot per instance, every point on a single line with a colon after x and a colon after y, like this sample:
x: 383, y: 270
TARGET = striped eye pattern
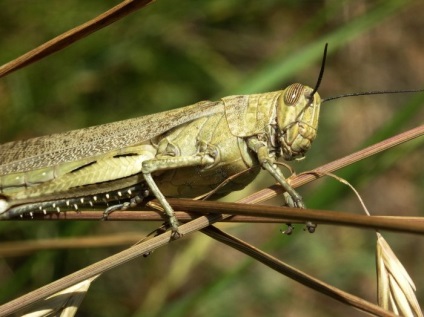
x: 292, y: 94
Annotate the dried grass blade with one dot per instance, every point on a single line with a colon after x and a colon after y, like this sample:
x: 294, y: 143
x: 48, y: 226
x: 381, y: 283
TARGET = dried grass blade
x: 294, y: 273
x: 383, y: 289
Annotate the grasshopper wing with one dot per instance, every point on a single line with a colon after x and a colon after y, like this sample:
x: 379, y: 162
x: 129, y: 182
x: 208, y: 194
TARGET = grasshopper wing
x: 46, y: 151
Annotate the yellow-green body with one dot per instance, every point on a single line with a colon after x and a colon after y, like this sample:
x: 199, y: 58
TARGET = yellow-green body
x: 186, y: 152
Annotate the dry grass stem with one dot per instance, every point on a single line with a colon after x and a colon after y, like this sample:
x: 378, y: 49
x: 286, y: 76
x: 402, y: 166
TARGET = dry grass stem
x: 401, y: 224
x: 343, y: 181
x: 19, y: 248
x: 295, y: 274
x: 238, y: 212
x: 62, y: 304
x: 145, y: 215
x: 65, y: 39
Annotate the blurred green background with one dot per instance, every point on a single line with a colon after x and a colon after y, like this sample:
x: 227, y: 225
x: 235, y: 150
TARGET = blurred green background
x: 173, y: 54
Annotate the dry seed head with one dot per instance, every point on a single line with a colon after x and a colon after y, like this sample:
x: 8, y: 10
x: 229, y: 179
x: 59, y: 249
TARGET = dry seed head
x: 394, y: 283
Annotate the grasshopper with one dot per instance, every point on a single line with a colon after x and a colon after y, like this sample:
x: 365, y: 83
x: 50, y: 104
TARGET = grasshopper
x: 184, y: 152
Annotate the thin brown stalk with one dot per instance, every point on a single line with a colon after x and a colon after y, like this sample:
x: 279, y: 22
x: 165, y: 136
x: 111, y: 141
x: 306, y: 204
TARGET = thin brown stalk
x: 239, y: 212
x: 19, y: 248
x: 401, y: 224
x: 65, y: 39
x: 145, y: 215
x: 294, y: 273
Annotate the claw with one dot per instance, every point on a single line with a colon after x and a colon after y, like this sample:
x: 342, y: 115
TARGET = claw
x: 176, y: 235
x: 311, y: 227
x: 297, y: 203
x: 289, y: 229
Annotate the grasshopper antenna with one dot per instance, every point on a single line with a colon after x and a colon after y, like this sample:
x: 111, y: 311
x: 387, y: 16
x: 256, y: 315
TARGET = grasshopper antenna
x: 321, y: 72
x: 377, y: 92
x: 363, y: 93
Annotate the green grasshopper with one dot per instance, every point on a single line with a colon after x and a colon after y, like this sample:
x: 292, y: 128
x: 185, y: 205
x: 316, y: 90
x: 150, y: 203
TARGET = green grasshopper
x: 184, y: 152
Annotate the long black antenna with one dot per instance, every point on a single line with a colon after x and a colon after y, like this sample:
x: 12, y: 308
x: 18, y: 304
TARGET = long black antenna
x: 364, y: 93
x: 321, y: 72
x: 377, y: 92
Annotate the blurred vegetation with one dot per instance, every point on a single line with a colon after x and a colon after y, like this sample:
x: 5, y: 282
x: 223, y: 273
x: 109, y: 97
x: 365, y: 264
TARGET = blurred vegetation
x: 172, y: 54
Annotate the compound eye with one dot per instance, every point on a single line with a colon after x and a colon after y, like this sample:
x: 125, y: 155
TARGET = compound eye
x: 292, y: 94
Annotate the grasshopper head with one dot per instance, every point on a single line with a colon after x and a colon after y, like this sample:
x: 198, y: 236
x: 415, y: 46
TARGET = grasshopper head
x: 297, y: 119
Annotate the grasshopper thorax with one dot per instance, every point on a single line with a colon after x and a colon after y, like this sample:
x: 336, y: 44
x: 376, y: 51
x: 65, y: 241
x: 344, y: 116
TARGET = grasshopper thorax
x: 297, y: 119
